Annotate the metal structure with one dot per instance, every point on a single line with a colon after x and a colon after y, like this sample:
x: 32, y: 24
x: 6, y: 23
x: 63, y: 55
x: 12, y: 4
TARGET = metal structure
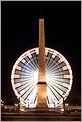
x: 24, y: 77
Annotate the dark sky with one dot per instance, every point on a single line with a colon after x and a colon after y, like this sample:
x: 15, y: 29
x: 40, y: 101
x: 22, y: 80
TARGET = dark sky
x: 19, y: 33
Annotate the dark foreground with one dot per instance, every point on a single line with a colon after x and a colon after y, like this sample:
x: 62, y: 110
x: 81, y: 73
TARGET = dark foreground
x: 41, y: 116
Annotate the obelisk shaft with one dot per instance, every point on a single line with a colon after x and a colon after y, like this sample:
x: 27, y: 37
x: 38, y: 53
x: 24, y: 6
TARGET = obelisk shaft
x: 41, y: 59
x: 41, y: 94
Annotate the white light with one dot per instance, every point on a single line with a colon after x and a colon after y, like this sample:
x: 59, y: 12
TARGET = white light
x: 66, y: 104
x: 16, y: 104
x: 35, y: 76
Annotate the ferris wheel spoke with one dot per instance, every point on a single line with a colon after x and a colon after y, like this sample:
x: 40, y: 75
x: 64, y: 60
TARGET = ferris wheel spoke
x: 28, y: 79
x: 17, y: 85
x: 66, y: 72
x: 18, y: 81
x: 61, y: 72
x: 57, y: 76
x: 28, y: 60
x: 64, y: 88
x: 56, y: 59
x: 34, y: 56
x: 48, y: 58
x: 62, y: 64
x: 23, y: 70
x: 49, y: 62
x: 30, y: 65
x: 24, y: 87
x: 58, y: 87
x: 56, y: 92
x: 25, y: 66
x: 34, y: 64
x: 27, y: 90
x: 32, y: 96
x: 29, y: 93
x: 62, y: 80
x: 21, y: 88
x: 52, y: 73
x: 34, y: 60
x: 50, y: 100
x: 29, y: 72
x: 25, y: 96
x: 53, y: 92
x: 54, y: 67
x: 58, y: 66
x: 58, y: 82
x: 51, y: 65
x: 22, y: 76
x: 50, y: 94
x: 26, y: 71
x: 20, y: 72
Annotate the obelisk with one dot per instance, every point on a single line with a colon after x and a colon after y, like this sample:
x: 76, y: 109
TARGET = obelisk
x: 41, y: 94
x: 41, y: 58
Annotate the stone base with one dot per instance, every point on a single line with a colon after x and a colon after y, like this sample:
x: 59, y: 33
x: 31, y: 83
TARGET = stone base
x: 42, y: 106
x: 41, y: 95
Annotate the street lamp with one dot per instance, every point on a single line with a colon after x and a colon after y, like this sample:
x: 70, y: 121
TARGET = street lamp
x: 2, y: 102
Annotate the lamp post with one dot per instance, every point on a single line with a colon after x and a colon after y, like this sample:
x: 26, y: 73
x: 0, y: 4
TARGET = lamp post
x: 16, y: 106
x: 2, y: 103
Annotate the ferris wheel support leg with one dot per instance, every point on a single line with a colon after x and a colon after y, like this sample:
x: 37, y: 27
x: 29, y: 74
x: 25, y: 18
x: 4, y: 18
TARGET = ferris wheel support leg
x: 63, y: 105
x: 22, y: 107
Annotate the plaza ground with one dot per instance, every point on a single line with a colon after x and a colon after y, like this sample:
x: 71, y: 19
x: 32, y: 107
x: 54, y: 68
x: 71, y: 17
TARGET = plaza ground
x: 41, y: 115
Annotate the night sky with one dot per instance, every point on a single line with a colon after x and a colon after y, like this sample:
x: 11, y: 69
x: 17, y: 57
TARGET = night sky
x: 20, y: 30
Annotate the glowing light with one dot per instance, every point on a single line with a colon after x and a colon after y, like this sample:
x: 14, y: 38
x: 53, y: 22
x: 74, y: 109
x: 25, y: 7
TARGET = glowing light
x: 66, y: 104
x: 16, y: 104
x: 16, y: 76
x: 62, y: 110
x: 23, y: 61
x: 18, y: 67
x: 65, y: 67
x: 66, y: 76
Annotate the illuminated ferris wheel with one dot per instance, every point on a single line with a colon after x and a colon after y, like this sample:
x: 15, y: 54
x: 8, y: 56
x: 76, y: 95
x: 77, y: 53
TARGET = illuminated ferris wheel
x: 24, y: 77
